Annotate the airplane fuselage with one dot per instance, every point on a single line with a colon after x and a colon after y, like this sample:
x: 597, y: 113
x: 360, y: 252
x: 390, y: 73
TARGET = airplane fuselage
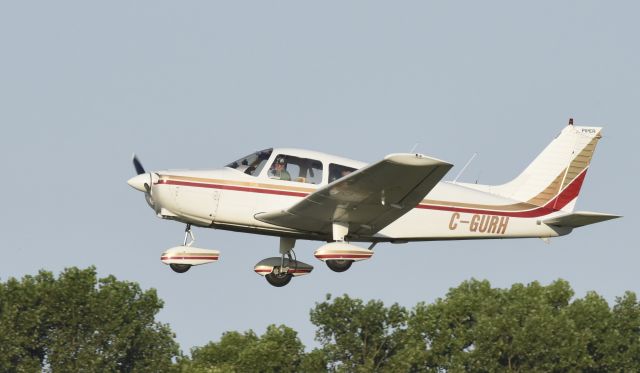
x: 229, y: 199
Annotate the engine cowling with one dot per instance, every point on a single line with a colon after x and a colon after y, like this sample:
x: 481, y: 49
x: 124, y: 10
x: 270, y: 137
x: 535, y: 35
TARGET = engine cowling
x: 342, y: 251
x: 189, y: 255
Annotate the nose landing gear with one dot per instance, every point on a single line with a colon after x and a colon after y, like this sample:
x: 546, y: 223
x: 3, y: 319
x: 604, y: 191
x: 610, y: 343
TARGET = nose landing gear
x: 181, y: 258
x: 188, y: 236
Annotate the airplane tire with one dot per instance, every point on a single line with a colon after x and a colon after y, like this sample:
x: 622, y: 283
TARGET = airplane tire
x: 339, y: 265
x: 180, y: 268
x: 278, y: 280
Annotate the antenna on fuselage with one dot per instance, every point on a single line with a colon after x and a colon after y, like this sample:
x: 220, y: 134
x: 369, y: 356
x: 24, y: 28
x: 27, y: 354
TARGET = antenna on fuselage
x: 478, y: 177
x: 415, y: 146
x: 465, y: 167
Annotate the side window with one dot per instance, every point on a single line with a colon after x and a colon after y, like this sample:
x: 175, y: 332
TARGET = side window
x: 337, y: 171
x: 302, y: 170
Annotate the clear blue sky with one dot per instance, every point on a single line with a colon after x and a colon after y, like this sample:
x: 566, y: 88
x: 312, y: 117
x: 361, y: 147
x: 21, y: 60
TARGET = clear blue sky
x: 198, y: 84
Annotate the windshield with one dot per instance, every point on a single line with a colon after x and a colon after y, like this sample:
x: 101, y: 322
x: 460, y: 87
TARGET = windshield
x: 253, y: 163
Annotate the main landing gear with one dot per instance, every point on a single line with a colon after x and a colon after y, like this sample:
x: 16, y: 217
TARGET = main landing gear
x: 340, y: 255
x: 339, y: 265
x: 280, y: 275
x: 179, y: 268
x: 278, y: 271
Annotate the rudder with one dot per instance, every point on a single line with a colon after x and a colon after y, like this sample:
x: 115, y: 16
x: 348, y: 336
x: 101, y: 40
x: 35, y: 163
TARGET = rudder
x: 555, y: 177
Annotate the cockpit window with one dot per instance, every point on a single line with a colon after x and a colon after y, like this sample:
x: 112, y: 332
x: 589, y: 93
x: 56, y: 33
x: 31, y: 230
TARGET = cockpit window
x: 302, y: 170
x: 253, y: 163
x: 337, y: 171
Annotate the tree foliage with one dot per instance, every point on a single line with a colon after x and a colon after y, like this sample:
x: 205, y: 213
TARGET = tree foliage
x: 526, y: 328
x: 80, y: 323
x: 358, y: 336
x: 277, y: 350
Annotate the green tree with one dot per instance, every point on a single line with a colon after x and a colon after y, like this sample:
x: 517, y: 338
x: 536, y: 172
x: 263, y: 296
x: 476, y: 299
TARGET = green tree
x: 23, y: 324
x: 83, y: 324
x: 315, y: 361
x: 277, y: 350
x: 530, y: 328
x: 358, y: 337
x: 624, y: 341
x: 526, y: 328
x: 593, y: 321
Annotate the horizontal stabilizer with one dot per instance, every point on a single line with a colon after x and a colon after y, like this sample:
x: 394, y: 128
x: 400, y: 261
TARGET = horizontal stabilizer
x: 579, y: 219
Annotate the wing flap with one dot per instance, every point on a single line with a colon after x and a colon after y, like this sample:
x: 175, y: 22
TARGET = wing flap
x: 579, y: 219
x: 368, y: 200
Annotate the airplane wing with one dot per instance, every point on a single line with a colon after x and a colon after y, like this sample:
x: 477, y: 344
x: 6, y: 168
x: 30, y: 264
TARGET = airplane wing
x: 368, y: 199
x: 579, y: 219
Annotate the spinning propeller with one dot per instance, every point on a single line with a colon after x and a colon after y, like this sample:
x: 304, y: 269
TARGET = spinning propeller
x: 143, y: 181
x: 138, y: 165
x: 140, y: 170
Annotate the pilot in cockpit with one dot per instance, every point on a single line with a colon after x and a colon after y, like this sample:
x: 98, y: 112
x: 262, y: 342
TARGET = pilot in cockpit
x: 279, y: 171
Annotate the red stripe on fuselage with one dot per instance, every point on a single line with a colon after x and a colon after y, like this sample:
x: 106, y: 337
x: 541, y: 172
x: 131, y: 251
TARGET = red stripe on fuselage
x: 567, y: 195
x: 557, y: 203
x: 233, y: 187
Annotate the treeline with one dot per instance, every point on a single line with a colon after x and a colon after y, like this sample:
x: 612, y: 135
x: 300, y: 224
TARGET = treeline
x: 80, y: 323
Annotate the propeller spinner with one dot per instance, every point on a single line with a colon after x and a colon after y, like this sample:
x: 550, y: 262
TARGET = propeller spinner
x: 143, y: 180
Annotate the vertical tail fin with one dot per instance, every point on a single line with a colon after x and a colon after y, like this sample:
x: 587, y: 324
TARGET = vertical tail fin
x: 555, y: 177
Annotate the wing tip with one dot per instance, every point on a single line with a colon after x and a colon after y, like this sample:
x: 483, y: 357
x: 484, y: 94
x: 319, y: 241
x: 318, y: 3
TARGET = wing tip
x: 415, y: 159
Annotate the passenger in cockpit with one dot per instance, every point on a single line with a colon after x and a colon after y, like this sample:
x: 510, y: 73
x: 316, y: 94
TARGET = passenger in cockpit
x: 337, y: 172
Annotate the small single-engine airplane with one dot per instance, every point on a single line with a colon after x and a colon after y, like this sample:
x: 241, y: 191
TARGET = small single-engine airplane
x: 301, y: 194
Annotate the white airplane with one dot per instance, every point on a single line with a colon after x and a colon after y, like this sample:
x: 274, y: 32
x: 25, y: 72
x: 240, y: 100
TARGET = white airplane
x: 301, y: 194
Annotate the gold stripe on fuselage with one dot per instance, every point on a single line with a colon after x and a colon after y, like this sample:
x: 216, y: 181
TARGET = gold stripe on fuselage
x: 237, y: 183
x: 577, y: 166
